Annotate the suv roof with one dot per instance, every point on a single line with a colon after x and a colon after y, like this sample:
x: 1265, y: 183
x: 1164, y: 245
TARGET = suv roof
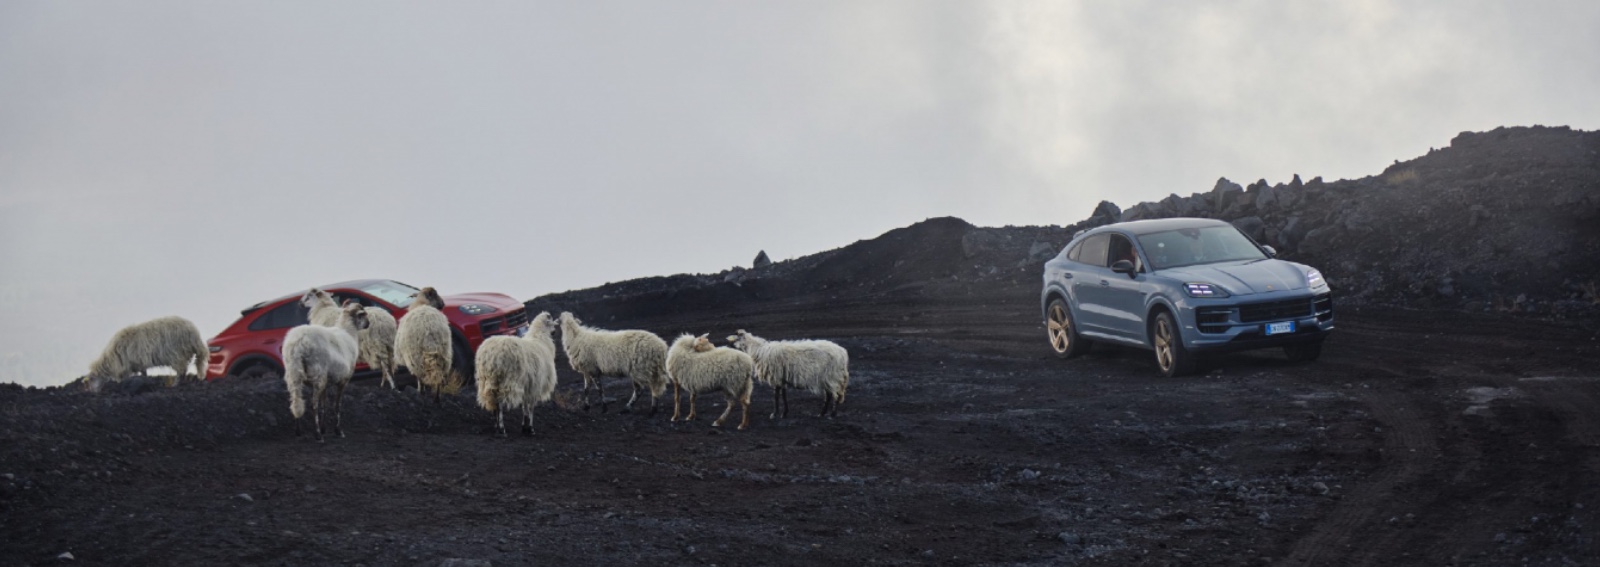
x: 1158, y: 225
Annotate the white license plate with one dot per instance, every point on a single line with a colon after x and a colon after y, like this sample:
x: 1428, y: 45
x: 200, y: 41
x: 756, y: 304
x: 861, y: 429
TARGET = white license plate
x: 1280, y: 328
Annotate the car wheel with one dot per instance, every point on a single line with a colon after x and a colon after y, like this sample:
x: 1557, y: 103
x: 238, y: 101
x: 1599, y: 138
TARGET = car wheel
x: 1306, y: 352
x: 1063, y: 332
x: 261, y: 371
x: 461, y: 361
x: 1171, y: 356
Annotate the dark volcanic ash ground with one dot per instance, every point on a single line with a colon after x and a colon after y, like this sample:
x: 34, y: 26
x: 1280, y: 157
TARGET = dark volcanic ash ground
x: 1451, y: 435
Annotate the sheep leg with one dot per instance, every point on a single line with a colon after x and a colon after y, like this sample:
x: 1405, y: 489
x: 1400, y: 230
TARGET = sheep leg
x: 316, y: 407
x: 827, y: 402
x: 600, y: 388
x: 338, y: 410
x: 585, y: 396
x: 527, y: 428
x: 777, y: 393
x: 744, y: 405
x: 724, y: 417
x: 691, y: 406
x: 500, y: 422
x: 628, y: 407
x: 675, y: 395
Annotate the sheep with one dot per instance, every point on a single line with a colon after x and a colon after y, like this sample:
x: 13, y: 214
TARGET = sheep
x: 695, y: 366
x: 515, y: 372
x: 322, y: 356
x: 596, y: 353
x: 167, y: 341
x: 377, y: 342
x: 324, y: 311
x: 819, y: 366
x: 423, y: 344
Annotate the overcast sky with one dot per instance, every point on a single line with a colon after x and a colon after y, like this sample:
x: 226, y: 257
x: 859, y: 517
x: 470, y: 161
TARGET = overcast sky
x: 193, y: 158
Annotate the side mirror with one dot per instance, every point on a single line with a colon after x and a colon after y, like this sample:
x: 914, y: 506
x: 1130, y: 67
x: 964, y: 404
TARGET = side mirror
x: 1271, y: 252
x: 1123, y: 267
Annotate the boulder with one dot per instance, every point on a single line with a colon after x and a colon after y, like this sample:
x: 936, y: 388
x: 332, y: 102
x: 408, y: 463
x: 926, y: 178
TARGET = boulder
x: 1266, y: 198
x: 762, y: 260
x: 1224, y: 194
x: 1252, y: 226
x: 1320, y: 241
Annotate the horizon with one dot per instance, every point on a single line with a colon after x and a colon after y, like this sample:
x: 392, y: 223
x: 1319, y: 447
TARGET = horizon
x: 177, y: 158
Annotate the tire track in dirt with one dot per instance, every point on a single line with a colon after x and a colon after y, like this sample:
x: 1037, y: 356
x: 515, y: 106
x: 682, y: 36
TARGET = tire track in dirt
x: 1574, y: 402
x: 1406, y: 449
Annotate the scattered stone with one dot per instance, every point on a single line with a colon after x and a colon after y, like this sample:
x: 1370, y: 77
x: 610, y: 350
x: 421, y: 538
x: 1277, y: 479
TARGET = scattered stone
x: 244, y: 496
x: 1320, y: 488
x: 66, y: 556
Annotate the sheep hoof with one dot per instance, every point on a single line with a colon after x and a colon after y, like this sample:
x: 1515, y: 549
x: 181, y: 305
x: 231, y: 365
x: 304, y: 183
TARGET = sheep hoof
x: 716, y: 423
x: 527, y: 431
x: 741, y: 427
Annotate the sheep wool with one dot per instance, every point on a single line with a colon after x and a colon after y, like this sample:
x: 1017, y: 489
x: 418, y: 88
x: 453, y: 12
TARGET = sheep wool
x: 323, y: 310
x: 518, y: 372
x: 820, y: 367
x: 318, y: 356
x: 167, y: 341
x: 696, y: 367
x: 422, y: 342
x: 596, y: 353
x: 377, y: 342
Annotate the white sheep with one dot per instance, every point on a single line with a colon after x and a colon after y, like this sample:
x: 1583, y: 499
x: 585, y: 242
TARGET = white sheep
x: 320, y: 357
x: 821, y: 367
x: 517, y: 372
x: 422, y: 342
x: 696, y: 367
x: 596, y: 353
x: 323, y: 311
x: 167, y: 341
x: 377, y: 340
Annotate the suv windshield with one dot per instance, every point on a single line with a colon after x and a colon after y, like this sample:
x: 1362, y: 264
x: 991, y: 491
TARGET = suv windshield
x: 1191, y: 246
x: 396, y: 293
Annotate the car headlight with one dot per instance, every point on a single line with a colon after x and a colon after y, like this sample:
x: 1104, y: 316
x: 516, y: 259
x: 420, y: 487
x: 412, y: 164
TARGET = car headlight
x: 476, y: 309
x: 1204, y: 290
x: 1314, y: 279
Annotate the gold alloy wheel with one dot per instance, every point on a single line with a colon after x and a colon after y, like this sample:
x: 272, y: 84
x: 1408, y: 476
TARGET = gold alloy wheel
x: 1060, y: 328
x: 1164, y: 343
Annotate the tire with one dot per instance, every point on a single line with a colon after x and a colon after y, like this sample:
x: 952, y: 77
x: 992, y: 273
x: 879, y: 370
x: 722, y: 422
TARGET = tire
x: 1304, y: 352
x: 1171, y: 356
x: 260, y: 371
x: 1063, y: 332
x: 461, y: 361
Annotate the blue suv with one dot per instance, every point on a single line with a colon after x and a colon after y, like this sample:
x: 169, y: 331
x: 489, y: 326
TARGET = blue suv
x: 1182, y: 287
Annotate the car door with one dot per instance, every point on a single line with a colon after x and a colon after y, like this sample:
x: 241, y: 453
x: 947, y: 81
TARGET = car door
x: 1123, y: 296
x: 1087, y: 292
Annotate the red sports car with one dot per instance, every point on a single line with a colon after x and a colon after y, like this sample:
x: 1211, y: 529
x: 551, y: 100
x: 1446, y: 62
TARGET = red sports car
x: 253, y: 345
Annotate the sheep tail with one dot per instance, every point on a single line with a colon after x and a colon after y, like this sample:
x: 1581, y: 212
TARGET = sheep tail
x: 845, y: 385
x: 437, y: 367
x: 488, y: 394
x: 295, y: 376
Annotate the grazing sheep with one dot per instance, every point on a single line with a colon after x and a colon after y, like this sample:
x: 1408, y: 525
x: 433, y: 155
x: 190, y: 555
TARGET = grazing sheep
x: 322, y: 356
x: 377, y: 342
x: 422, y: 342
x: 596, y: 353
x: 167, y: 341
x: 515, y: 372
x: 821, y: 367
x: 323, y: 310
x: 695, y: 366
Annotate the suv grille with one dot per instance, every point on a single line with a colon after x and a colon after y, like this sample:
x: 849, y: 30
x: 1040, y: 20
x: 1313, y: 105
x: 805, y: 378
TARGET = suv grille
x: 1322, y: 305
x: 1287, y: 309
x: 1212, y: 319
x: 517, y: 318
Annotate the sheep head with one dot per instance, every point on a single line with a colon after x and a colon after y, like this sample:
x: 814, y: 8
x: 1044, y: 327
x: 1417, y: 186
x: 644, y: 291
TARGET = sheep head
x: 357, y: 315
x: 542, y: 324
x: 430, y: 296
x: 314, y: 297
x: 702, y: 343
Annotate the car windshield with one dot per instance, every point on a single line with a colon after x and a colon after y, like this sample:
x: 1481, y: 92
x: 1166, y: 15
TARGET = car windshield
x: 1191, y: 246
x: 396, y: 293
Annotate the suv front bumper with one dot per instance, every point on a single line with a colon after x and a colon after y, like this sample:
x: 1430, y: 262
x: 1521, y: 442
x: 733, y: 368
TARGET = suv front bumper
x: 1240, y: 323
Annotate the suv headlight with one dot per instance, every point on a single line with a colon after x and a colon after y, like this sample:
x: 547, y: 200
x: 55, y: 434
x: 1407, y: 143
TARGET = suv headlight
x: 476, y: 309
x: 1314, y: 279
x: 1204, y: 290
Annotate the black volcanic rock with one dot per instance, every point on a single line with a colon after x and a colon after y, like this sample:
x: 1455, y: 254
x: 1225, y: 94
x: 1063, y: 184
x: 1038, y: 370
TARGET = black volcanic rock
x: 761, y: 260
